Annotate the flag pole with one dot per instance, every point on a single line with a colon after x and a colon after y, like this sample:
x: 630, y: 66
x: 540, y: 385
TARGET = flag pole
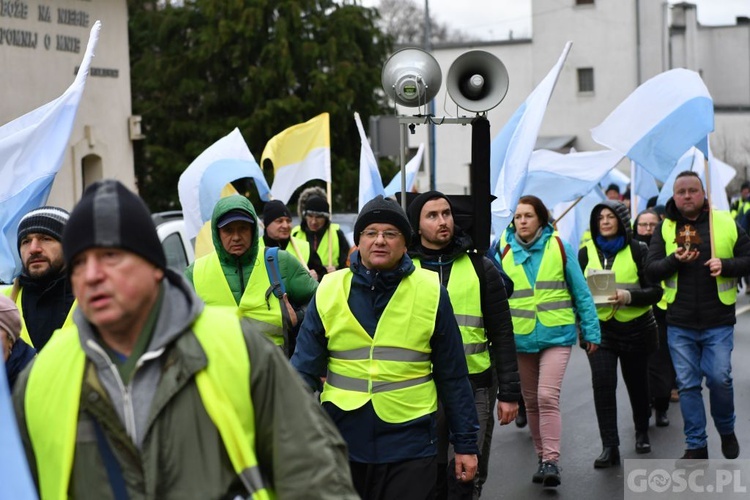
x: 330, y: 224
x: 554, y: 224
x: 296, y: 250
x: 710, y: 207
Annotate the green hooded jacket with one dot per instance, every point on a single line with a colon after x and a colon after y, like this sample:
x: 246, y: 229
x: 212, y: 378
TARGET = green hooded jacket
x: 300, y: 286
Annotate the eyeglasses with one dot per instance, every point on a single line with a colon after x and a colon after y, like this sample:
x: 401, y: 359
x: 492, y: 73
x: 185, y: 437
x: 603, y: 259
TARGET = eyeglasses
x: 648, y: 224
x: 371, y: 234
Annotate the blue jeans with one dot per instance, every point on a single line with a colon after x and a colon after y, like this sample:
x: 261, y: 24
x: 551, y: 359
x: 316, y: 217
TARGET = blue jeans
x: 697, y: 354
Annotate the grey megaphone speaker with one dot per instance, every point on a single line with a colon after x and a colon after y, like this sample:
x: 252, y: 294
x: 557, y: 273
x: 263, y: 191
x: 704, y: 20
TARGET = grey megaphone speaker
x: 411, y: 77
x: 477, y: 81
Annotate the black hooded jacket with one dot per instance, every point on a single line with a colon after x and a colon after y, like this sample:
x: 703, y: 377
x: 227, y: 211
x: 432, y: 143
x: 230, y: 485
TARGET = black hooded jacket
x: 697, y: 304
x: 495, y: 310
x: 638, y: 334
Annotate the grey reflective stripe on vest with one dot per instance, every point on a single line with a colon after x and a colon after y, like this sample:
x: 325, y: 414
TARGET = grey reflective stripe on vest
x: 252, y: 479
x: 470, y: 349
x: 347, y: 383
x: 471, y: 321
x: 552, y: 306
x: 382, y: 354
x: 360, y: 385
x: 392, y: 386
x: 522, y: 313
x: 728, y: 285
x: 352, y: 354
x: 266, y: 328
x: 549, y: 285
x: 522, y: 294
x: 670, y: 283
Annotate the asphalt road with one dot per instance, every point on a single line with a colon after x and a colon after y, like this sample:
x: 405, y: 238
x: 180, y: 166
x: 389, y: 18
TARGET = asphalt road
x: 513, y: 460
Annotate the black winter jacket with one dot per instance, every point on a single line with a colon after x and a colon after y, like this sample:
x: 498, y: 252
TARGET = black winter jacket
x: 639, y: 334
x: 495, y: 310
x: 697, y: 304
x: 45, y: 305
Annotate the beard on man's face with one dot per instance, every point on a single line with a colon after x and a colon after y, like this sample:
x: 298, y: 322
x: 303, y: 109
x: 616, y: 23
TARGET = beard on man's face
x: 52, y: 269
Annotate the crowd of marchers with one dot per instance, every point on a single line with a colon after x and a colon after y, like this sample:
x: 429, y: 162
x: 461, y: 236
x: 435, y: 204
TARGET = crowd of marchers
x: 286, y: 364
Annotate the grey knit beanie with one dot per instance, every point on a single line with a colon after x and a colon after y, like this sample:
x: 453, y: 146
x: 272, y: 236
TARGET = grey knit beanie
x: 43, y: 220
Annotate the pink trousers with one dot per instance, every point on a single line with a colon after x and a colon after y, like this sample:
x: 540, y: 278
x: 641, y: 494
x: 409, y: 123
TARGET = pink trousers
x: 541, y: 379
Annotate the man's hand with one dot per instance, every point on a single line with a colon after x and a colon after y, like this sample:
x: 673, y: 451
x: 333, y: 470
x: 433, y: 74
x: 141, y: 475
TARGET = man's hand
x: 591, y: 348
x: 314, y: 274
x: 466, y: 467
x: 290, y: 309
x: 506, y: 412
x: 683, y: 255
x: 330, y: 269
x: 714, y: 264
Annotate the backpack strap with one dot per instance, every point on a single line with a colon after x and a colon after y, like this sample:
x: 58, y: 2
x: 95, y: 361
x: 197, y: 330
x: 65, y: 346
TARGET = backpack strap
x: 505, y: 251
x: 562, y: 252
x: 271, y: 258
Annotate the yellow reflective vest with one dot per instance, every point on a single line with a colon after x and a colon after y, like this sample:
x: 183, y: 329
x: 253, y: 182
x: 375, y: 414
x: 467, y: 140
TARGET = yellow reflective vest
x: 24, y: 331
x: 463, y: 289
x: 52, y: 402
x: 725, y: 230
x: 262, y: 309
x: 322, y: 249
x: 393, y: 368
x: 626, y: 278
x: 549, y: 301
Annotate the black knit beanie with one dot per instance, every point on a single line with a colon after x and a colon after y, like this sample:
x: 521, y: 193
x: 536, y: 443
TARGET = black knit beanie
x: 416, y: 205
x: 273, y: 210
x: 317, y: 205
x: 44, y: 220
x: 109, y: 215
x: 381, y: 210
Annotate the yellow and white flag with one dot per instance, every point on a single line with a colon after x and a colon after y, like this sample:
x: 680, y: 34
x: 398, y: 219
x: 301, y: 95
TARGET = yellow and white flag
x: 299, y: 154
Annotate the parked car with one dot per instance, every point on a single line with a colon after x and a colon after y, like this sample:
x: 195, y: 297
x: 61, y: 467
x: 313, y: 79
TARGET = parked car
x: 179, y: 249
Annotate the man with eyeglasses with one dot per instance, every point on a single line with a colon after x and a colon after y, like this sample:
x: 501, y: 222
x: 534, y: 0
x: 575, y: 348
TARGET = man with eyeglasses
x: 481, y: 307
x: 386, y: 335
x: 700, y: 288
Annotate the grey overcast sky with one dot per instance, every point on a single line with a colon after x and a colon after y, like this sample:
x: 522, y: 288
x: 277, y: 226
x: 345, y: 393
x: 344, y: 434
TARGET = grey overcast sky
x: 494, y: 19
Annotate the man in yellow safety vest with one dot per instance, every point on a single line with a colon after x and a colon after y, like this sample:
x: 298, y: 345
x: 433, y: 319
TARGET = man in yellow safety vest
x: 153, y: 394
x: 387, y: 337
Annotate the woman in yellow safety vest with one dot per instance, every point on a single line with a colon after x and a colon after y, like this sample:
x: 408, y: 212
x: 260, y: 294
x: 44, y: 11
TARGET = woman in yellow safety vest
x: 550, y: 292
x: 628, y: 326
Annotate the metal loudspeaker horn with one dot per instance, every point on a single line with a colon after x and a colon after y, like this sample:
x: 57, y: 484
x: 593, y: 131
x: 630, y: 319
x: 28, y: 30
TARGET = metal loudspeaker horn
x: 411, y: 77
x: 477, y: 81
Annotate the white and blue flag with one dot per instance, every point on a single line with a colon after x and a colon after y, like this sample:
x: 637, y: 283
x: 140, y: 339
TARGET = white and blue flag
x: 370, y: 182
x: 200, y: 185
x: 511, y: 149
x: 32, y: 150
x: 662, y: 119
x: 15, y: 478
x: 411, y: 169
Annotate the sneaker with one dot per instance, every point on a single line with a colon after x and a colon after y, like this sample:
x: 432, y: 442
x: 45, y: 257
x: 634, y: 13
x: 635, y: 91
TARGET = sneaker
x: 730, y: 448
x: 551, y: 474
x: 538, y: 476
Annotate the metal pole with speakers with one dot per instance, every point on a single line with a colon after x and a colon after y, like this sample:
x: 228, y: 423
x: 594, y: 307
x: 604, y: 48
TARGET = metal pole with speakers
x: 477, y: 82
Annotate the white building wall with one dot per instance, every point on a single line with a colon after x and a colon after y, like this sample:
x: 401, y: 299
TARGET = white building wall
x: 605, y: 38
x: 35, y: 75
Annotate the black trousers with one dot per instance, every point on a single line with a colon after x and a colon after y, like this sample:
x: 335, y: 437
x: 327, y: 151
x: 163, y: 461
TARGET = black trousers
x: 661, y: 375
x: 634, y: 367
x: 412, y: 479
